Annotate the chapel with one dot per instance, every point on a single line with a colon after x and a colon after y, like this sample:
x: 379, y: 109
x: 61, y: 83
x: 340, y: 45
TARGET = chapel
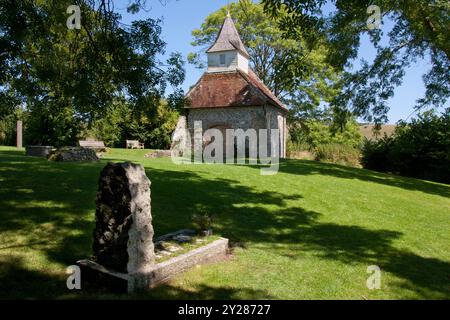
x: 229, y: 95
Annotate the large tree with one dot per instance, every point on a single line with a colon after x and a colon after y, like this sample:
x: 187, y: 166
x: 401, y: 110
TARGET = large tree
x: 421, y: 29
x: 274, y: 59
x: 70, y: 76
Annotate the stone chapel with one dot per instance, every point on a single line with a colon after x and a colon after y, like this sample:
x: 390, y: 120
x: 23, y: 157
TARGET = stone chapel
x: 229, y: 95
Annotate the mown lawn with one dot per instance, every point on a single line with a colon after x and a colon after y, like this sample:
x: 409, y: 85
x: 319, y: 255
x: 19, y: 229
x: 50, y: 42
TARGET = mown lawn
x: 309, y: 232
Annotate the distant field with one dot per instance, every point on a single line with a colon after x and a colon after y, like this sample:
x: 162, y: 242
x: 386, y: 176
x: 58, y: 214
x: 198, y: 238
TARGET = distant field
x: 367, y: 131
x: 309, y: 232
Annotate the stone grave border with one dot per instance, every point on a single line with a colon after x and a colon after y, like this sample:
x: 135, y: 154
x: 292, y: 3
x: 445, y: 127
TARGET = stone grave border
x: 159, y: 273
x: 124, y: 257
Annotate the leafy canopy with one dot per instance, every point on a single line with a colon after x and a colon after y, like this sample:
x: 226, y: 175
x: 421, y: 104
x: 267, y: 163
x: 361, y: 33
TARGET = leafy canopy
x: 69, y: 77
x: 421, y: 29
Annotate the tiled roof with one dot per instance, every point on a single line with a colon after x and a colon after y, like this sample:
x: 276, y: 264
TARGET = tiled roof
x: 261, y: 86
x: 231, y: 89
x: 228, y: 39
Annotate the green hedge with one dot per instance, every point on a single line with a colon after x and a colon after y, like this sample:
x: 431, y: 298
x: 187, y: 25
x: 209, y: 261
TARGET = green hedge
x: 420, y: 149
x: 339, y: 154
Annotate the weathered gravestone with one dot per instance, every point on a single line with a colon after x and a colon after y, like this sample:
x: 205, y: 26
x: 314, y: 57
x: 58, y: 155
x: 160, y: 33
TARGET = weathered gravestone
x: 124, y: 252
x: 123, y: 235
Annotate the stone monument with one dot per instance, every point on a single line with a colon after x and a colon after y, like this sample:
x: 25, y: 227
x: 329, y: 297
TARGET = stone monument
x: 123, y: 235
x: 19, y: 134
x: 124, y: 252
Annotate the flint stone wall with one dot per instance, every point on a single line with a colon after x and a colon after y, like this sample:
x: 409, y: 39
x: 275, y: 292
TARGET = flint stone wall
x: 73, y: 154
x: 267, y: 117
x: 234, y: 117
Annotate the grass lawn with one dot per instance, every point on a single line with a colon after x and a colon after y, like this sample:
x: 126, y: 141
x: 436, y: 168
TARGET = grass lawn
x: 309, y: 232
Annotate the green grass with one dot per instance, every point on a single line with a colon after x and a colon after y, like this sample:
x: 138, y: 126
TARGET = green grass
x: 309, y: 232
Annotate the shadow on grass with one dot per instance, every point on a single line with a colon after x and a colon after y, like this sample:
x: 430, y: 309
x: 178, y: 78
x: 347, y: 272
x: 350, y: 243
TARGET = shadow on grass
x: 309, y: 167
x: 56, y: 206
x: 204, y: 292
x: 19, y: 282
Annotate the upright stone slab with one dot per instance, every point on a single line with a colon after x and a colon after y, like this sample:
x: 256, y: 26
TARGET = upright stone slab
x: 123, y: 235
x: 179, y: 138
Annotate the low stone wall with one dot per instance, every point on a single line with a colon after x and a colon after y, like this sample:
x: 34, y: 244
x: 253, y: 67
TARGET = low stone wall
x: 158, y: 154
x: 158, y: 274
x: 73, y: 154
x: 165, y: 271
x: 38, y: 151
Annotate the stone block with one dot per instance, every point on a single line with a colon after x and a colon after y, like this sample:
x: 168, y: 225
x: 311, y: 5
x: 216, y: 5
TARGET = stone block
x: 70, y: 154
x: 158, y: 274
x: 38, y: 151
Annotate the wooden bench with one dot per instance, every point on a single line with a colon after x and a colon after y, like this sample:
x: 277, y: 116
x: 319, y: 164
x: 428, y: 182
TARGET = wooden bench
x: 98, y: 146
x: 134, y: 144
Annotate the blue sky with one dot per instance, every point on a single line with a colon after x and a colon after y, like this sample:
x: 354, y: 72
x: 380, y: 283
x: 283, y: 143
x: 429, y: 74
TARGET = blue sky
x: 180, y: 17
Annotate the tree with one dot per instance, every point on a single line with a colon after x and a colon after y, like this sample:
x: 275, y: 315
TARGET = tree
x: 275, y: 59
x: 418, y: 149
x: 153, y: 129
x: 67, y: 78
x: 421, y: 29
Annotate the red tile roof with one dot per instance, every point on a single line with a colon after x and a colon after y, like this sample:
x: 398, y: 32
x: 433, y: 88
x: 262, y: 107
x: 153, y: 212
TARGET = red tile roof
x: 231, y: 89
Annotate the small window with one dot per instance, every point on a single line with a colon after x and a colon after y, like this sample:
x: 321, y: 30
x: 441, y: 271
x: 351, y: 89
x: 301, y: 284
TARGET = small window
x: 222, y: 59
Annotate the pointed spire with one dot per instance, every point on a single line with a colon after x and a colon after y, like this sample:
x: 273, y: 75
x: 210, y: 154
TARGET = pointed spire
x: 228, y: 39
